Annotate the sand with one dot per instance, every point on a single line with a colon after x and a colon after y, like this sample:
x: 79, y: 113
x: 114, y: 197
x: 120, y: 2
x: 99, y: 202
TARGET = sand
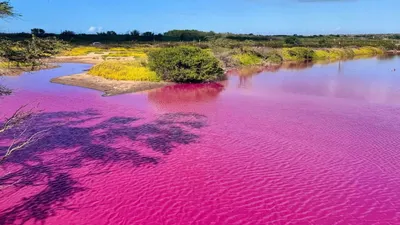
x: 109, y: 87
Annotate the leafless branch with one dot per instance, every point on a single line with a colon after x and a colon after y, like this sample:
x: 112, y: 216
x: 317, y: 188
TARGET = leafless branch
x: 20, y: 142
x: 20, y: 116
x: 22, y: 139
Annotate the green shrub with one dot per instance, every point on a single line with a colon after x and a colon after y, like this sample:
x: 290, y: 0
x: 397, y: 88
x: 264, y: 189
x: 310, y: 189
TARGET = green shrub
x: 292, y: 40
x: 248, y: 59
x: 274, y: 57
x: 297, y: 54
x: 225, y: 55
x: 349, y: 53
x: 321, y: 55
x: 267, y: 54
x: 336, y: 53
x: 185, y: 64
x: 368, y: 51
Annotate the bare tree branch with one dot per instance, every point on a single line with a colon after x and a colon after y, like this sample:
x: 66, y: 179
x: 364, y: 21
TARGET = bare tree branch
x: 19, y: 117
x: 22, y: 139
x: 20, y: 143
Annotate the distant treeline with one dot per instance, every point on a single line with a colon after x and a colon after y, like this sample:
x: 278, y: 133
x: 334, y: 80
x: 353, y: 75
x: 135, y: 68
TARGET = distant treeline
x: 387, y: 41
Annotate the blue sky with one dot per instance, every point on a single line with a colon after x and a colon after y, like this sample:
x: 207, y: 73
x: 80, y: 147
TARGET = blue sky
x: 237, y: 16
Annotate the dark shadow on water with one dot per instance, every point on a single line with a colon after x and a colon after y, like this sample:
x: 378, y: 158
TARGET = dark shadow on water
x: 45, y: 203
x: 83, y: 140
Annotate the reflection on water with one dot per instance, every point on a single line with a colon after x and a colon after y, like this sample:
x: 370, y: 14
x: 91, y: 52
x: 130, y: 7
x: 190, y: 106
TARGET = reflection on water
x: 387, y: 57
x: 185, y: 93
x: 370, y: 80
x: 297, y: 65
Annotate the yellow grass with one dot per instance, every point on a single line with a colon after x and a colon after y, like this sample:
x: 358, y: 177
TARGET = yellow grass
x: 140, y: 53
x: 124, y: 70
x: 80, y: 51
x: 345, y: 53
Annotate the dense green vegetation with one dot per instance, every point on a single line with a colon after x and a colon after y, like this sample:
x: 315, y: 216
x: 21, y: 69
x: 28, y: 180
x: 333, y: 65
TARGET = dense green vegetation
x: 386, y: 41
x: 248, y: 59
x: 185, y: 64
x: 297, y: 54
x: 28, y: 52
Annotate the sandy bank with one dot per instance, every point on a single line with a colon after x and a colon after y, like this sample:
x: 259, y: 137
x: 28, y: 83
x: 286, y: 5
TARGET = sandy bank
x: 90, y: 58
x: 109, y: 87
x: 76, y: 59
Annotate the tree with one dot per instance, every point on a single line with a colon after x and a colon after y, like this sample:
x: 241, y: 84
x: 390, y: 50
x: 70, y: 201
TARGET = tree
x: 148, y: 36
x: 29, y: 52
x: 135, y: 33
x: 293, y: 40
x: 37, y: 32
x: 67, y: 35
x: 111, y: 33
x: 6, y: 10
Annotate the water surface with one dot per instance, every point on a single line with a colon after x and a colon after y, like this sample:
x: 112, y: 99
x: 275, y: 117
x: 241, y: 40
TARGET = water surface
x: 312, y: 145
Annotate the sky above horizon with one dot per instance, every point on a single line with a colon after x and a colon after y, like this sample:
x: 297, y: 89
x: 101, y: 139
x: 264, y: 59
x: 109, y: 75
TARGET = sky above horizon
x: 304, y: 17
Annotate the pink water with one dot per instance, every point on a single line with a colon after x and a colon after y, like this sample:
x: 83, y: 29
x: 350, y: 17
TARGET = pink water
x: 314, y: 146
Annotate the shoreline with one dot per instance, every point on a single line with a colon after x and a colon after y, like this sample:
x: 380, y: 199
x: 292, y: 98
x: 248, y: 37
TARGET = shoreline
x: 16, y: 71
x: 116, y: 87
x: 109, y: 87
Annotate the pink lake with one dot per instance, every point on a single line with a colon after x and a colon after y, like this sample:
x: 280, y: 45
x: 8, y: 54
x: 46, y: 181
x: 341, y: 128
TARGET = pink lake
x: 316, y: 145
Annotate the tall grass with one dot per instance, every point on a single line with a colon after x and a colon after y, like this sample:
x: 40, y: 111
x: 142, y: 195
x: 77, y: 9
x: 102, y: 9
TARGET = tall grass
x: 124, y: 70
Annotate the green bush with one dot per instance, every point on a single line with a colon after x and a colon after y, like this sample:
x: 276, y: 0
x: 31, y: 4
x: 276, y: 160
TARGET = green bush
x: 349, y: 53
x: 268, y: 55
x: 248, y: 59
x: 321, y: 55
x: 274, y: 57
x: 185, y: 64
x: 368, y: 51
x: 292, y: 40
x: 297, y: 54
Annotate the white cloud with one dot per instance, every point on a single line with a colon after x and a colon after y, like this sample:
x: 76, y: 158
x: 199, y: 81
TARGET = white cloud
x: 338, y: 28
x: 94, y: 29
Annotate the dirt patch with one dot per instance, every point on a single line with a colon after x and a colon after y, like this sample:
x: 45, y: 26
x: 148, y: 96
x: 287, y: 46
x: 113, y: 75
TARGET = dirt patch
x: 109, y: 87
x: 76, y: 59
x: 91, y: 58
